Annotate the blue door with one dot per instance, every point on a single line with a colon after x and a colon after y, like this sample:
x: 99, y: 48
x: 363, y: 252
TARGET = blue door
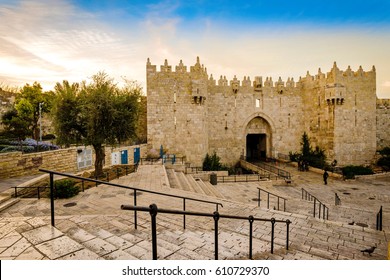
x: 137, y: 155
x: 124, y: 157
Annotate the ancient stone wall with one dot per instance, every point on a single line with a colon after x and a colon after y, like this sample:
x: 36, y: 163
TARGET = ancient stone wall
x: 383, y: 123
x: 192, y: 113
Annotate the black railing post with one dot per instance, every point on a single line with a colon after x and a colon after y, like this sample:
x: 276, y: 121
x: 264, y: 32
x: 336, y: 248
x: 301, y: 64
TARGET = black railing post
x: 16, y: 192
x: 278, y: 203
x: 272, y: 234
x: 153, y: 213
x: 258, y: 203
x: 268, y: 200
x: 251, y: 219
x: 287, y: 233
x: 323, y: 214
x: 319, y: 210
x: 379, y: 219
x: 82, y: 184
x: 184, y: 215
x: 52, y: 198
x: 314, y: 214
x: 135, y: 211
x: 216, y: 218
x: 284, y: 205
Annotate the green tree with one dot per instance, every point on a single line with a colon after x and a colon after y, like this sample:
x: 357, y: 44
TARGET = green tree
x: 315, y: 158
x: 97, y: 113
x: 68, y: 119
x: 306, y: 147
x: 212, y: 163
x: 23, y: 119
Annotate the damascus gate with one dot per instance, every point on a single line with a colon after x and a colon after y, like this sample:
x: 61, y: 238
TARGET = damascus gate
x: 192, y: 113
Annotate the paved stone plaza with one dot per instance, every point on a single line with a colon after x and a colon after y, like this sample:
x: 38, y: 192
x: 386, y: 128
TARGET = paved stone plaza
x: 96, y: 227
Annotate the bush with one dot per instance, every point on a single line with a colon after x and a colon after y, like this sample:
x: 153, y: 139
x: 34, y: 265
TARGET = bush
x: 384, y: 161
x: 212, y: 163
x: 315, y: 158
x: 350, y: 171
x: 65, y: 189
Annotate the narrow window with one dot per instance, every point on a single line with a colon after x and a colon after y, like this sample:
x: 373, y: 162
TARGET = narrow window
x: 257, y: 103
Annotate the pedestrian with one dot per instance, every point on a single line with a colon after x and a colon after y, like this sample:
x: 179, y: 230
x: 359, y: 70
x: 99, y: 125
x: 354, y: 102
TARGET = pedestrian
x: 326, y: 175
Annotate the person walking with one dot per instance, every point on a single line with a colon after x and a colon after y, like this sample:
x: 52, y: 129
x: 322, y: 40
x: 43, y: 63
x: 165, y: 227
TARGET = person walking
x: 326, y: 175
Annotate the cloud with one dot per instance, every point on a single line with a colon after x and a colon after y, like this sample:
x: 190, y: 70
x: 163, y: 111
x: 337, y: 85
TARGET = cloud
x: 49, y: 40
x: 52, y: 40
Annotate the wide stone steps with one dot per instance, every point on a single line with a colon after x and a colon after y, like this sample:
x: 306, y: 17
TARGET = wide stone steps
x: 195, y: 242
x: 178, y: 180
x: 81, y: 233
x: 7, y: 201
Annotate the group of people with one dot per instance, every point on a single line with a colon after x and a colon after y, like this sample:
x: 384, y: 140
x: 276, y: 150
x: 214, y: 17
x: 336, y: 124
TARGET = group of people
x: 303, y: 165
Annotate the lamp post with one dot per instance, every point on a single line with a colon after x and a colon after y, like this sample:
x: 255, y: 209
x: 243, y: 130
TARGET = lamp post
x: 40, y: 120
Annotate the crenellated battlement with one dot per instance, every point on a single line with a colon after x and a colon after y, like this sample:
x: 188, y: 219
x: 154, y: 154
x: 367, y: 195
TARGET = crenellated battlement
x: 336, y: 74
x: 334, y: 77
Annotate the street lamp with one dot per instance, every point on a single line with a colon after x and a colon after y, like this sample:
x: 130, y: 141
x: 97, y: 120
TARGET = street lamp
x: 40, y: 120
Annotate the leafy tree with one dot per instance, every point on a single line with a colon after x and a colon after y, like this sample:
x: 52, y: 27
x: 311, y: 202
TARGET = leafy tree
x: 306, y: 149
x: 68, y: 119
x: 23, y: 119
x: 97, y: 113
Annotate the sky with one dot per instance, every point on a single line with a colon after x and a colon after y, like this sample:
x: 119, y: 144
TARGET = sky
x: 49, y: 41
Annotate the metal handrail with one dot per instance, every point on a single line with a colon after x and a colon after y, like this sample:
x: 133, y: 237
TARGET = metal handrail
x: 309, y: 197
x: 52, y: 173
x: 270, y: 168
x: 243, y: 178
x: 379, y: 219
x: 118, y: 172
x: 192, y: 168
x: 154, y: 210
x: 268, y: 194
x: 38, y: 190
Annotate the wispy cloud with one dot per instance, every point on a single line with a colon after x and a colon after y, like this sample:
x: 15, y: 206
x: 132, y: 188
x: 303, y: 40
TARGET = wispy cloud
x: 54, y: 40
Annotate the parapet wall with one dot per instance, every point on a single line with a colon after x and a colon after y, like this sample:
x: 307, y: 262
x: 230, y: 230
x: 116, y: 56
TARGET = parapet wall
x: 65, y: 160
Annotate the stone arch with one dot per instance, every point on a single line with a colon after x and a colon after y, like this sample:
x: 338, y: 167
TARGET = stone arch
x: 258, y: 131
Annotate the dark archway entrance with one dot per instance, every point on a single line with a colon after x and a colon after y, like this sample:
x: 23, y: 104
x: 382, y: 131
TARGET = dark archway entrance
x: 256, y: 146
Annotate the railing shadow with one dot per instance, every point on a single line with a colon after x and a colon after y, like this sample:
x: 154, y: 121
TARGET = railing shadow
x: 154, y: 210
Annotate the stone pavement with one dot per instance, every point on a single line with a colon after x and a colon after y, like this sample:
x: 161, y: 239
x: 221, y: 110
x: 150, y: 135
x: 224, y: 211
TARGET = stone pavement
x: 8, y: 183
x: 96, y: 228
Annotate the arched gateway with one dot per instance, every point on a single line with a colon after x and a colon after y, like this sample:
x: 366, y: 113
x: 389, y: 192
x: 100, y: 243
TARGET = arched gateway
x: 258, y: 138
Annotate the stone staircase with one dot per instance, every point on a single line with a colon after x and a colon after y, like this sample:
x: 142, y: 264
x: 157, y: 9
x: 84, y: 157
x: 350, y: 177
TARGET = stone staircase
x: 81, y: 235
x: 186, y: 182
x: 7, y: 201
x: 114, y: 237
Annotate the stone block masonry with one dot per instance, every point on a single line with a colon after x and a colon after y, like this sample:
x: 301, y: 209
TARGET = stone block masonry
x: 64, y: 160
x: 191, y: 113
